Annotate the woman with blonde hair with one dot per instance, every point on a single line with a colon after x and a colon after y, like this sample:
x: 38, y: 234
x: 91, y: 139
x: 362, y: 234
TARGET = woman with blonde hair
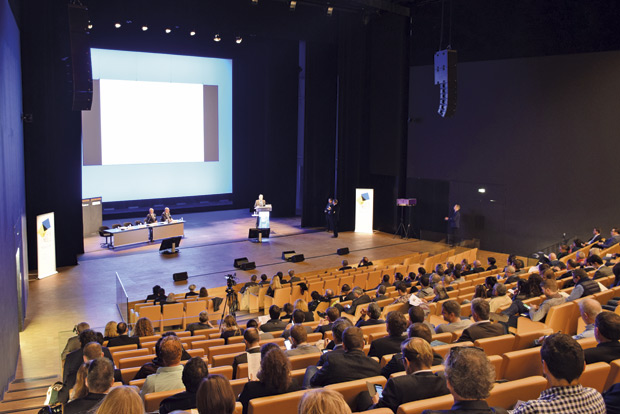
x: 275, y: 284
x: 274, y: 378
x: 229, y: 328
x: 80, y: 390
x: 215, y: 396
x: 323, y: 401
x: 302, y: 305
x: 121, y: 400
x: 110, y: 331
x: 143, y: 327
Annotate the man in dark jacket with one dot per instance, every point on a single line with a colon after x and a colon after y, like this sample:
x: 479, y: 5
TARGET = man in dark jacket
x: 194, y: 371
x: 99, y: 379
x: 396, y: 324
x: 123, y: 338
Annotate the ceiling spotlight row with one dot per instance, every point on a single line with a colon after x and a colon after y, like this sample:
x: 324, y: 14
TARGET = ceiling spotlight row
x: 292, y: 5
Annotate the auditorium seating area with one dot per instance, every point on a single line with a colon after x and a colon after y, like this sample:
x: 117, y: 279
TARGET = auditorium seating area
x: 517, y: 364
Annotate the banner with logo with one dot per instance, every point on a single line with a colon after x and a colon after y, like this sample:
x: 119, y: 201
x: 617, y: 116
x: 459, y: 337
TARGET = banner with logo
x: 364, y: 200
x: 46, y: 245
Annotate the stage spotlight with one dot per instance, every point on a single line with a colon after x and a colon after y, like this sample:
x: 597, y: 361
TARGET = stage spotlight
x: 217, y: 38
x: 117, y: 25
x: 238, y: 39
x: 292, y: 5
x: 192, y: 33
x: 254, y: 2
x: 145, y: 28
x: 168, y: 30
x: 482, y: 190
x: 90, y: 25
x: 330, y: 11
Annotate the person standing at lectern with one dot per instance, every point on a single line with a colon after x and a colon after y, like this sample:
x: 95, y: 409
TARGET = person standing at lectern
x: 165, y: 216
x: 260, y: 202
x: 327, y: 211
x: 454, y: 225
x: 335, y: 210
x: 150, y: 219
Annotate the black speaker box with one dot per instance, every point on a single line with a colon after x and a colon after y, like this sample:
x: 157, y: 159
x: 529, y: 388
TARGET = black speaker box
x: 297, y: 258
x: 240, y: 261
x: 343, y: 251
x: 179, y: 277
x: 286, y: 255
x: 80, y: 58
x: 445, y: 77
x: 248, y: 266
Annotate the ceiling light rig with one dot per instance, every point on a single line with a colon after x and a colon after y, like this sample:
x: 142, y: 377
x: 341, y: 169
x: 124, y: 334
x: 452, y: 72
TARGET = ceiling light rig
x: 254, y: 2
x: 117, y: 25
x: 217, y: 38
x: 192, y: 33
x: 330, y: 11
x: 238, y: 40
x: 145, y: 28
x: 292, y: 5
x: 168, y: 30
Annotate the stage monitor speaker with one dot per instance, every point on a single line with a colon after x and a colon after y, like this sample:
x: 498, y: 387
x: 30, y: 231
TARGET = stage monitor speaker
x: 179, y: 277
x: 445, y: 77
x: 240, y: 261
x: 286, y: 255
x: 248, y: 266
x: 297, y: 258
x: 343, y: 251
x: 82, y: 71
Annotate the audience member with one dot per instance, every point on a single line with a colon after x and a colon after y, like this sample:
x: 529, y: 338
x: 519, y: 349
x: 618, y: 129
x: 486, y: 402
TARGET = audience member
x: 191, y: 292
x: 323, y: 401
x: 396, y: 324
x: 499, y: 299
x: 203, y: 293
x: 419, y: 383
x: 596, y: 236
x: 345, y: 265
x: 417, y: 314
x: 380, y: 295
x: 364, y: 262
x: 215, y: 396
x: 491, y: 262
x: 589, y: 309
x: 274, y: 377
x: 143, y: 327
x: 264, y: 280
x: 99, y: 379
x: 370, y: 316
x: 338, y: 329
x: 121, y: 400
x: 251, y: 283
x: 536, y: 313
x: 326, y: 324
x: 273, y: 324
x: 203, y: 323
x: 480, y: 291
x: 426, y: 290
x: 275, y: 284
x: 451, y: 313
x: 299, y: 318
x: 253, y: 323
x: 482, y: 326
x: 302, y: 305
x: 251, y: 338
x: 359, y: 298
x: 168, y: 376
x: 417, y: 330
x: 287, y: 308
x: 109, y: 331
x: 350, y: 365
x: 602, y: 270
x: 562, y: 365
x: 469, y: 377
x: 73, y: 343
x: 607, y: 334
x: 584, y: 286
x: 299, y: 338
x: 123, y: 338
x: 477, y: 268
x: 154, y: 295
x: 157, y: 362
x: 614, y: 239
x: 194, y: 371
x: 229, y: 328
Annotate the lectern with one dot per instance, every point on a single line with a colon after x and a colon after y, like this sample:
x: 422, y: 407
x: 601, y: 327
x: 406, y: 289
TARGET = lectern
x: 262, y: 216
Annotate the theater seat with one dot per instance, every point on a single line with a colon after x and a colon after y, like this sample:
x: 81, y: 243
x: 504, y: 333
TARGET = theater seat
x: 595, y: 375
x: 521, y: 364
x: 508, y: 393
x: 153, y: 399
x: 284, y: 403
x: 351, y: 389
x: 614, y: 374
x: 496, y: 345
x: 416, y: 407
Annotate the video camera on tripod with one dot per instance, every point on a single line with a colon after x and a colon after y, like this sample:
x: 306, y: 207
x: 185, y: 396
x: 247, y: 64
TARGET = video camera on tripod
x: 231, y: 280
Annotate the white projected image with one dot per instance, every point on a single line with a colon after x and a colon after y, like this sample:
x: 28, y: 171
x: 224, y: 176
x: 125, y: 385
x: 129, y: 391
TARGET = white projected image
x: 154, y: 127
x: 151, y: 122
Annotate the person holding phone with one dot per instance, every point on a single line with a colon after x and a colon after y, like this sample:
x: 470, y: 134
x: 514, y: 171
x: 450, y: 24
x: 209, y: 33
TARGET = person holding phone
x: 419, y: 383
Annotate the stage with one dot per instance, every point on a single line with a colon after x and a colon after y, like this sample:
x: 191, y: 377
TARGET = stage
x: 87, y: 292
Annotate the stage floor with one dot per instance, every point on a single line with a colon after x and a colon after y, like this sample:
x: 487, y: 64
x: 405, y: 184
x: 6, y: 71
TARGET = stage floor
x: 87, y: 292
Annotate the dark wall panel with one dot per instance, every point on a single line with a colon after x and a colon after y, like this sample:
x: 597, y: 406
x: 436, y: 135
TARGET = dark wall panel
x: 541, y: 135
x: 12, y: 201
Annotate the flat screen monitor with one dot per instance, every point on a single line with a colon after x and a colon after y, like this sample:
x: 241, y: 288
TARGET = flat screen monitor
x: 170, y: 244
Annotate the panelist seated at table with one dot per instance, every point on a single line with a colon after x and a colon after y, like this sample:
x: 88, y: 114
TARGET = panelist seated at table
x: 165, y: 216
x: 260, y: 202
x: 151, y: 217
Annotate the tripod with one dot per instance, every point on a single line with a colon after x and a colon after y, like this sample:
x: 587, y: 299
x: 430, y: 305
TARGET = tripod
x: 230, y: 304
x: 402, y: 231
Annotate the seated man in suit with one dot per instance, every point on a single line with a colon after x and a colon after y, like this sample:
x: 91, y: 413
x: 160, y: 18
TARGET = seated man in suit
x: 168, y: 376
x: 194, y: 372
x: 359, y: 298
x: 614, y: 239
x: 123, y: 338
x: 299, y: 317
x: 370, y: 316
x: 299, y: 338
x: 396, y: 324
x: 203, y: 323
x: 482, y: 327
x: 326, y: 324
x: 469, y: 377
x: 292, y: 277
x: 273, y: 324
x: 417, y: 330
x: 90, y: 349
x: 349, y: 365
x: 166, y: 216
x: 426, y: 290
x: 73, y: 343
x: 602, y: 270
x: 252, y: 282
x: 345, y: 265
x: 99, y: 379
x: 251, y: 338
x: 562, y: 365
x: 380, y: 295
x: 419, y: 383
x: 607, y: 334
